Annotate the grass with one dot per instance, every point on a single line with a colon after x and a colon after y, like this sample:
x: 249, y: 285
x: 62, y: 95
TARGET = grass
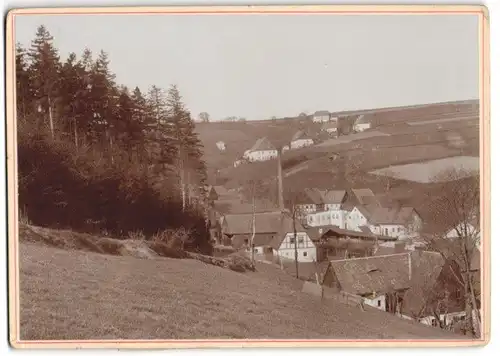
x: 69, y: 294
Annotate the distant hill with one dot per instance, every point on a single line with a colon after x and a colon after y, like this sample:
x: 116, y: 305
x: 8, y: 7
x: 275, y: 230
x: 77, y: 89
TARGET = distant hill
x: 399, y: 136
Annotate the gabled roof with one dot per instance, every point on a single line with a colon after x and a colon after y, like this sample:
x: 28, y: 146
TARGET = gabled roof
x: 416, y: 272
x: 317, y: 232
x: 267, y: 222
x: 397, y: 216
x: 300, y: 135
x: 321, y: 113
x: 333, y: 124
x: 262, y: 144
x: 377, y: 274
x: 365, y: 196
x: 333, y: 196
x: 286, y: 226
x: 318, y: 196
x: 362, y: 119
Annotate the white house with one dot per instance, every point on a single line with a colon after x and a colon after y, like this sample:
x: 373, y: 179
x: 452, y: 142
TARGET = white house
x: 262, y: 150
x: 283, y: 244
x: 362, y: 123
x: 221, y: 145
x: 321, y: 116
x: 403, y: 223
x: 301, y: 139
x: 330, y: 127
x: 465, y: 229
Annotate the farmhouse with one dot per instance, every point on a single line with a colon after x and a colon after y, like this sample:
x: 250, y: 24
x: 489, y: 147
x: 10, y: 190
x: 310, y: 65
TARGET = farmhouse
x: 289, y: 238
x: 330, y: 127
x: 321, y: 116
x: 300, y: 139
x: 262, y: 150
x: 403, y: 223
x: 334, y: 243
x: 274, y: 236
x: 362, y: 123
x: 237, y: 230
x: 417, y: 285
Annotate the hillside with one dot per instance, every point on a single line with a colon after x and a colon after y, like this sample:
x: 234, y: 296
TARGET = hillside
x: 69, y: 294
x: 400, y: 136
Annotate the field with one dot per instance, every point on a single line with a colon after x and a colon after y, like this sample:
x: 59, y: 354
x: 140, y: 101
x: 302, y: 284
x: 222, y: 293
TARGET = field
x: 426, y: 172
x: 69, y: 294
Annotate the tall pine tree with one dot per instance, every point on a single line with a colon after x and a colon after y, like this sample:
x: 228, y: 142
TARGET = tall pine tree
x: 45, y: 76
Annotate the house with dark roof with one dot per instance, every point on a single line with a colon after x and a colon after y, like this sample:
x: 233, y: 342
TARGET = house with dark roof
x: 334, y: 243
x: 321, y: 116
x: 301, y: 139
x: 262, y: 150
x: 419, y: 285
x: 276, y: 236
x: 319, y: 205
x: 331, y: 127
x: 362, y: 123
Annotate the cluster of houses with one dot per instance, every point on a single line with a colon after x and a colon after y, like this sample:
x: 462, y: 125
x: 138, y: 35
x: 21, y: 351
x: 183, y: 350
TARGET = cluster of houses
x: 362, y: 247
x: 264, y: 150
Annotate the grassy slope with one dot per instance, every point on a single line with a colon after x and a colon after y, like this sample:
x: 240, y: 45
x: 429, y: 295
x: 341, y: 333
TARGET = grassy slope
x: 309, y: 167
x: 83, y: 295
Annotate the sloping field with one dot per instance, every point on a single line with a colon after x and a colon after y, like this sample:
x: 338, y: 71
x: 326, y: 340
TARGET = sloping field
x: 425, y: 172
x: 352, y: 138
x: 84, y: 295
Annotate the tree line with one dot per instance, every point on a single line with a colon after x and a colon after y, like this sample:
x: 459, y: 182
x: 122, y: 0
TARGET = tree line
x: 94, y: 154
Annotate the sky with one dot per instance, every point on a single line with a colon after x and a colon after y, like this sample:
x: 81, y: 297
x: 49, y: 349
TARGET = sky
x: 259, y: 66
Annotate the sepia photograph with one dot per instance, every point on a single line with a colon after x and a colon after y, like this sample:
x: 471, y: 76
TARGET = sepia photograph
x: 264, y: 176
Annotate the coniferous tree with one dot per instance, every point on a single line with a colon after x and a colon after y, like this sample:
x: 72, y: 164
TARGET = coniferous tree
x: 23, y: 87
x: 45, y: 77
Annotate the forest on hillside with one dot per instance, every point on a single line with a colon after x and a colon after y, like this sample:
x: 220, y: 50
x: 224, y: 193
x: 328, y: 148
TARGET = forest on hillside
x: 94, y: 155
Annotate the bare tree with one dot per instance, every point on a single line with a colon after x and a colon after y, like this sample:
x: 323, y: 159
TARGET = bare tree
x: 204, y: 117
x: 453, y: 230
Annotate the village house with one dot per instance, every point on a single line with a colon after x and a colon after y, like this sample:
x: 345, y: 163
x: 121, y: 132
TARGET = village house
x: 417, y: 285
x: 330, y: 127
x: 335, y: 243
x: 321, y: 116
x: 262, y: 150
x: 300, y: 139
x: 289, y: 238
x: 274, y: 236
x: 362, y: 123
x: 221, y: 145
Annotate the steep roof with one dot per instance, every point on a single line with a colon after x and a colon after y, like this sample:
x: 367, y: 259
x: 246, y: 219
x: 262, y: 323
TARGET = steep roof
x: 333, y: 196
x: 262, y: 144
x: 330, y: 124
x: 365, y: 196
x: 321, y: 113
x: 377, y: 274
x: 362, y: 119
x: 417, y: 272
x: 317, y: 232
x: 300, y: 135
x: 267, y: 222
x: 318, y: 196
x: 391, y: 215
x: 286, y: 226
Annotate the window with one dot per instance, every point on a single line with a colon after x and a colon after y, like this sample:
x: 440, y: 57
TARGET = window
x: 386, y: 231
x: 434, y: 322
x: 255, y: 250
x: 379, y: 303
x: 393, y: 229
x: 305, y: 254
x: 300, y: 240
x: 292, y: 240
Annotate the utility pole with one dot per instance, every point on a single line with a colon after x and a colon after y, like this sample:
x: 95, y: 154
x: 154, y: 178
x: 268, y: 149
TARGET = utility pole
x: 253, y: 225
x: 295, y: 239
x: 281, y: 203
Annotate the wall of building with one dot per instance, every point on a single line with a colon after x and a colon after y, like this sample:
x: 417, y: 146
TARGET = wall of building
x: 362, y: 127
x: 321, y: 118
x: 377, y: 302
x: 301, y: 143
x: 306, y: 249
x: 262, y: 155
x: 355, y: 220
x: 325, y: 218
